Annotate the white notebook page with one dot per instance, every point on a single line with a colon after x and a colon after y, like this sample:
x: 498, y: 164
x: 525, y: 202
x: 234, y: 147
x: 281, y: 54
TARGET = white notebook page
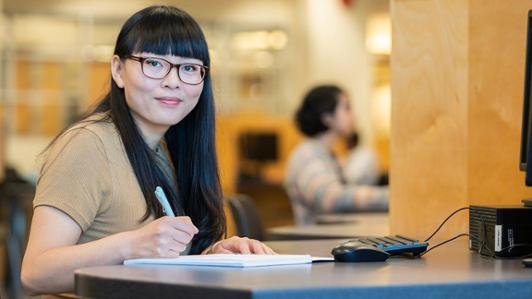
x: 230, y: 260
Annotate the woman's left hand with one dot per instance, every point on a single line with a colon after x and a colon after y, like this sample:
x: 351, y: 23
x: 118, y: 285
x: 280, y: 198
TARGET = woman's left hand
x: 240, y: 245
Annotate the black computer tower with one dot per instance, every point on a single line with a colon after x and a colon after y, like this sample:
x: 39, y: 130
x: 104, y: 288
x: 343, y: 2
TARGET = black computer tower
x: 500, y: 231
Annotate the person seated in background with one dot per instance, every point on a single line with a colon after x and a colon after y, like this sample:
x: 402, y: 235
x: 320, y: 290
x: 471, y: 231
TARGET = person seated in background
x: 360, y: 167
x: 314, y: 179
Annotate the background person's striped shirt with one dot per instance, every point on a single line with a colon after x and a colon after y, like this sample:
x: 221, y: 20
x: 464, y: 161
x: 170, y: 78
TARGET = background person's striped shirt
x: 314, y: 183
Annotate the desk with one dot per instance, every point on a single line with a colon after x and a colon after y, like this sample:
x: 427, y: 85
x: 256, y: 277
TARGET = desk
x: 370, y: 224
x: 447, y: 272
x: 337, y: 218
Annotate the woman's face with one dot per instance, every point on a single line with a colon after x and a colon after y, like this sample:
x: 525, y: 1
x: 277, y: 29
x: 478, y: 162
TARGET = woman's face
x: 341, y: 122
x: 156, y: 104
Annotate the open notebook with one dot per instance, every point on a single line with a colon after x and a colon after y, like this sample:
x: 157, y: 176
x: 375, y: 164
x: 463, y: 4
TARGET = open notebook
x: 231, y: 260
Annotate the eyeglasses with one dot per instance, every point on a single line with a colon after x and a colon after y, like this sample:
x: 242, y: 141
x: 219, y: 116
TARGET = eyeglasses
x: 158, y: 68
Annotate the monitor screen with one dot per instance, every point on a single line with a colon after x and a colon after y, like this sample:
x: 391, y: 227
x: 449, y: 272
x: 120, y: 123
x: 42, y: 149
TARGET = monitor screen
x: 527, y: 117
x: 259, y: 147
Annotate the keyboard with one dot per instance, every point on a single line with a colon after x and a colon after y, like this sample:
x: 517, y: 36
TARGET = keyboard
x: 396, y: 245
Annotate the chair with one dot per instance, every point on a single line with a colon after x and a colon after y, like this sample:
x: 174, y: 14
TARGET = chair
x: 246, y: 217
x: 16, y: 197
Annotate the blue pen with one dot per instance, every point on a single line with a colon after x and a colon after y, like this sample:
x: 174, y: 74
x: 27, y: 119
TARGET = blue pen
x: 167, y: 209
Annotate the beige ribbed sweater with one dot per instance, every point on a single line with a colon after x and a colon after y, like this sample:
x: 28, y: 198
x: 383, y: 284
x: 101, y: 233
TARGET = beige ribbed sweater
x: 87, y: 175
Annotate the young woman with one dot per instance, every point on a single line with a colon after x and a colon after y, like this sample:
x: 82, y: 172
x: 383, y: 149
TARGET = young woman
x: 313, y: 178
x: 95, y: 202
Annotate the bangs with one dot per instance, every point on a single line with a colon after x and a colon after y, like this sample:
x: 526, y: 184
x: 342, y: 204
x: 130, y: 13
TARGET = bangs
x: 168, y: 32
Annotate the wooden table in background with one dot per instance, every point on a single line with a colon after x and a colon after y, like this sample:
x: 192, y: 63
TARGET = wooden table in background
x: 365, y: 224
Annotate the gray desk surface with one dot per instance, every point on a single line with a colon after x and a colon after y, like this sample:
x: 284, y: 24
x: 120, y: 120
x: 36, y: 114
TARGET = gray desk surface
x: 447, y: 272
x: 365, y: 224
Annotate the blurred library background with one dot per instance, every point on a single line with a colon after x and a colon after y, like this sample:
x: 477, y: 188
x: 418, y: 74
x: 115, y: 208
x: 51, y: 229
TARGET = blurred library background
x: 54, y: 64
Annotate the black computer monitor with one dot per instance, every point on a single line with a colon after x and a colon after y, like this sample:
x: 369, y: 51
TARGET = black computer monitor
x: 256, y: 149
x: 526, y: 149
x: 259, y: 146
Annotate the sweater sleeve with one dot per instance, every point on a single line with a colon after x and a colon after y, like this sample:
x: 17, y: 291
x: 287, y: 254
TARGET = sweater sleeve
x: 75, y: 177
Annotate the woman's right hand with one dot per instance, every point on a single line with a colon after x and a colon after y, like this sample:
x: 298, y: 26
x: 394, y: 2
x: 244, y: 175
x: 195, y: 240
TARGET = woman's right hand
x: 165, y: 237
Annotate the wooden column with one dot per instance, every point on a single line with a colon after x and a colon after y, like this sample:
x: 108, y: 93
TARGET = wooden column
x: 497, y: 45
x: 457, y: 92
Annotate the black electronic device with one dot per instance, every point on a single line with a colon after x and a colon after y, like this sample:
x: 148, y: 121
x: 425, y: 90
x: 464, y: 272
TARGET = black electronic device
x: 526, y: 128
x: 256, y: 149
x: 527, y: 262
x: 371, y: 249
x: 396, y: 245
x: 259, y: 146
x: 355, y: 252
x: 500, y: 231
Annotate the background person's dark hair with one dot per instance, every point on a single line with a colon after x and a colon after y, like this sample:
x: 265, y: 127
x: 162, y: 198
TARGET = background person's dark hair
x: 318, y: 101
x: 352, y: 140
x: 166, y: 30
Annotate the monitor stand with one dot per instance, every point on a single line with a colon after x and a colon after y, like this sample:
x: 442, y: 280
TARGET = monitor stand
x: 527, y: 202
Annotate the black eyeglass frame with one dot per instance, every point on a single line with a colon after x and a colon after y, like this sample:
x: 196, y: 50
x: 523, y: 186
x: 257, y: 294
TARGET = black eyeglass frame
x: 172, y: 65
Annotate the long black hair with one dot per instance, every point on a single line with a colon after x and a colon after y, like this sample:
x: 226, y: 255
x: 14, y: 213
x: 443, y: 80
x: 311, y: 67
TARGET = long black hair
x: 166, y: 30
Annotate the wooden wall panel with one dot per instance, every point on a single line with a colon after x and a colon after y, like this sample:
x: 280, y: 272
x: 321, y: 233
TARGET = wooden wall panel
x: 22, y: 107
x: 429, y: 115
x: 52, y: 110
x: 98, y: 79
x: 497, y: 37
x: 457, y: 92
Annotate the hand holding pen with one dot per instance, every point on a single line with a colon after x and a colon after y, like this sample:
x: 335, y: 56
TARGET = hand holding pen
x: 231, y: 245
x: 166, y: 237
